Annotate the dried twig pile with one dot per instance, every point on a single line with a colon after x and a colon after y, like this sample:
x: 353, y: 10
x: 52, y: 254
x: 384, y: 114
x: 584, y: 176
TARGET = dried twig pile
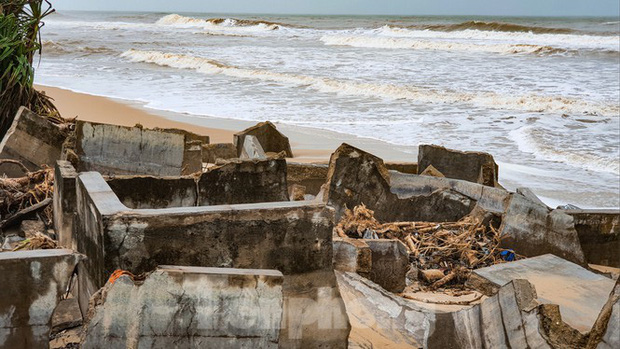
x: 17, y: 194
x: 444, y: 253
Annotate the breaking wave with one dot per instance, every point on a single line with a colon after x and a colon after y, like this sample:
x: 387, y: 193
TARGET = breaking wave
x: 474, y: 40
x: 495, y: 26
x: 183, y: 21
x: 532, y: 140
x: 535, y: 103
x: 54, y: 48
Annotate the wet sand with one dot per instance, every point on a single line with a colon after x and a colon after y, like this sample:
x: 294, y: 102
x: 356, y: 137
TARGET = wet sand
x: 309, y: 145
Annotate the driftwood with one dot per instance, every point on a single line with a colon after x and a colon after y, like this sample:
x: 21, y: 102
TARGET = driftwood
x: 23, y: 214
x: 444, y: 253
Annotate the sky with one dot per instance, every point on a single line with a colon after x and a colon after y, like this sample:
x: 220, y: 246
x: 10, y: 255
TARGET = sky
x: 609, y: 8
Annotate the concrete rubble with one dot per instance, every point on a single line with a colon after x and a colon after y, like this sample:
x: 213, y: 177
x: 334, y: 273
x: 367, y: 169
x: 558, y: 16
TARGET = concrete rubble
x: 180, y: 243
x: 188, y: 307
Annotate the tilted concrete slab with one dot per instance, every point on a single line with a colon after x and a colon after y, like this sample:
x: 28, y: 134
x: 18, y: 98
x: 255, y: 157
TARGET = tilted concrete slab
x: 270, y: 139
x: 33, y: 140
x: 33, y: 283
x: 580, y: 293
x: 511, y: 318
x: 599, y: 235
x: 292, y: 237
x: 187, y: 307
x: 117, y: 150
x: 476, y: 167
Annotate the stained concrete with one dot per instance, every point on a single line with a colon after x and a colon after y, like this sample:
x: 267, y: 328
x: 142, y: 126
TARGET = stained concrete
x: 292, y: 237
x: 267, y: 136
x: 188, y: 307
x: 476, y: 167
x: 212, y: 152
x: 352, y: 255
x: 390, y: 263
x: 33, y: 140
x: 511, y: 318
x: 64, y: 202
x: 117, y: 150
x: 579, y: 293
x: 599, y: 235
x: 155, y: 192
x: 33, y: 283
x: 311, y: 176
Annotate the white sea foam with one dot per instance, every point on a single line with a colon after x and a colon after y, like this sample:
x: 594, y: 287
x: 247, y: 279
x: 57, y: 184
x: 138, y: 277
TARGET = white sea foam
x: 531, y: 102
x: 532, y: 140
x: 472, y: 40
x: 218, y: 25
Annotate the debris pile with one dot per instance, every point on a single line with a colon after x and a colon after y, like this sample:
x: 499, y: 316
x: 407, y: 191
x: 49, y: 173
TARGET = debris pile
x: 26, y: 195
x: 443, y: 253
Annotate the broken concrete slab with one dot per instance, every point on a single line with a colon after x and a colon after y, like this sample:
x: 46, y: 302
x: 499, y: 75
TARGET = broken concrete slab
x: 292, y: 237
x: 188, y: 307
x: 212, y: 152
x: 605, y: 333
x: 390, y: 263
x: 352, y: 255
x: 402, y: 167
x: 432, y: 172
x: 532, y: 229
x: 510, y: 318
x: 311, y: 176
x: 528, y: 193
x: 117, y: 150
x: 33, y: 283
x: 579, y: 293
x: 66, y: 315
x: 357, y: 177
x: 599, y: 235
x: 252, y: 149
x: 33, y: 140
x: 244, y: 181
x: 64, y: 202
x: 155, y: 192
x: 268, y: 136
x: 476, y: 167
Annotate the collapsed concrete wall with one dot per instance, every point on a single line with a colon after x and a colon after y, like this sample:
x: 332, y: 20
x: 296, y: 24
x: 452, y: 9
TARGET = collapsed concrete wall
x: 268, y: 137
x: 188, y: 307
x: 292, y: 237
x: 528, y: 227
x: 476, y: 167
x: 212, y: 152
x: 599, y: 235
x: 33, y: 140
x: 33, y: 283
x: 64, y: 203
x: 511, y: 318
x: 117, y: 150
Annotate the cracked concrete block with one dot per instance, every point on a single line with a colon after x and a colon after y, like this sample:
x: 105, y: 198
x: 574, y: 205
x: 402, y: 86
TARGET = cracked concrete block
x: 118, y: 150
x: 33, y: 283
x: 267, y: 136
x: 532, y: 230
x: 579, y: 293
x: 352, y: 255
x: 390, y: 263
x: 599, y: 235
x: 33, y: 140
x: 357, y: 177
x: 212, y: 152
x: 311, y: 176
x: 188, y: 307
x: 155, y: 192
x: 252, y: 149
x: 476, y: 167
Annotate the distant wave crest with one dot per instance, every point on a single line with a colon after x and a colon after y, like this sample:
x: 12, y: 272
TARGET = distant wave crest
x: 54, y: 48
x: 495, y: 26
x: 178, y: 20
x: 535, y: 103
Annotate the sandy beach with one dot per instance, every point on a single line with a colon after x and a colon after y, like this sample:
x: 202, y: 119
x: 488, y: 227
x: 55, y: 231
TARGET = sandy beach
x: 309, y: 145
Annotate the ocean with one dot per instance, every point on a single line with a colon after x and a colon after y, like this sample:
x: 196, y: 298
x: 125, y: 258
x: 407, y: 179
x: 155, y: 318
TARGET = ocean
x: 540, y: 94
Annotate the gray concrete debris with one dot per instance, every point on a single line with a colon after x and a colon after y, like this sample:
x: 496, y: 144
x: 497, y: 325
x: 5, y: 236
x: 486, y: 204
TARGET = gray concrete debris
x: 66, y: 315
x: 599, y: 235
x: 579, y: 293
x: 605, y: 333
x: 117, y: 150
x: 33, y: 283
x: 476, y: 167
x: 188, y: 307
x: 32, y: 140
x: 292, y: 237
x: 212, y: 152
x: 268, y: 137
x: 64, y: 202
x: 357, y: 177
x: 390, y: 263
x: 311, y: 176
x: 252, y: 149
x: 352, y: 255
x: 532, y: 229
x: 510, y: 318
